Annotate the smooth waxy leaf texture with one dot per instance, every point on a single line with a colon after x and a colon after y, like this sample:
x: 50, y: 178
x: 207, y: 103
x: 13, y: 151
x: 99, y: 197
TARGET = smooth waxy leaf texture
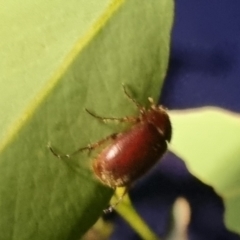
x: 59, y: 57
x: 208, y: 140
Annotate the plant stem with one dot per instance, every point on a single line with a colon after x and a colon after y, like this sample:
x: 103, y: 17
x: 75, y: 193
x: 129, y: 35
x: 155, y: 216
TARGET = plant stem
x: 130, y: 215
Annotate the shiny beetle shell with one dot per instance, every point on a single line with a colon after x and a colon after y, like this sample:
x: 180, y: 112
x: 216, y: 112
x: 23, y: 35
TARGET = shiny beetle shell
x: 132, y: 153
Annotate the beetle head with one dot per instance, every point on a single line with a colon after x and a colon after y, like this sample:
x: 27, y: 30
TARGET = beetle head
x: 158, y: 116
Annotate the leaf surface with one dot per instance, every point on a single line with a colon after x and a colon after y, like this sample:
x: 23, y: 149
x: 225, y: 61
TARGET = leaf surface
x: 59, y: 58
x: 208, y: 140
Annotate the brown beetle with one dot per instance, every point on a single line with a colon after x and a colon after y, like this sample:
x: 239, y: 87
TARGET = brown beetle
x: 132, y: 153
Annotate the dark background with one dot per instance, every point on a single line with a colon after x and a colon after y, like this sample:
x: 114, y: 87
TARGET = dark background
x: 204, y: 70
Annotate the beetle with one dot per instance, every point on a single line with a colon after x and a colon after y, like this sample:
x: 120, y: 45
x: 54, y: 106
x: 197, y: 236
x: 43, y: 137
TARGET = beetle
x: 131, y: 153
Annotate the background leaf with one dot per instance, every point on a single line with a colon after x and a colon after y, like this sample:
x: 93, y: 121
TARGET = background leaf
x: 60, y: 57
x: 208, y: 140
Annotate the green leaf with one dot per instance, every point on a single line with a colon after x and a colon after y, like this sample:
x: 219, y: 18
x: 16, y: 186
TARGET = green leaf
x: 208, y: 140
x: 59, y: 57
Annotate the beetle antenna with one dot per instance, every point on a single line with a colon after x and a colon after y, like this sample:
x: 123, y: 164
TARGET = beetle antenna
x: 138, y: 105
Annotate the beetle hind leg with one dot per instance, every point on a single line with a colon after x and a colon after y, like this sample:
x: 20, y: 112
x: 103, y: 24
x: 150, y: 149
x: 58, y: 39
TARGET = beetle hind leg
x: 89, y: 147
x: 119, y: 200
x: 60, y: 155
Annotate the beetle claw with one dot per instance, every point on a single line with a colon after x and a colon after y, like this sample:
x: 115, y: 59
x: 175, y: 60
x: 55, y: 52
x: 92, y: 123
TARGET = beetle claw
x: 108, y: 210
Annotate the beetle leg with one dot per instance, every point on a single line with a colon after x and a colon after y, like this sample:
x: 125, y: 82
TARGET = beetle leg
x: 119, y: 200
x: 89, y: 147
x: 123, y: 119
x: 59, y: 155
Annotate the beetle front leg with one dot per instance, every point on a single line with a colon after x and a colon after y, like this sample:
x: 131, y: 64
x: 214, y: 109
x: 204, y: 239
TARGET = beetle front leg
x: 123, y: 119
